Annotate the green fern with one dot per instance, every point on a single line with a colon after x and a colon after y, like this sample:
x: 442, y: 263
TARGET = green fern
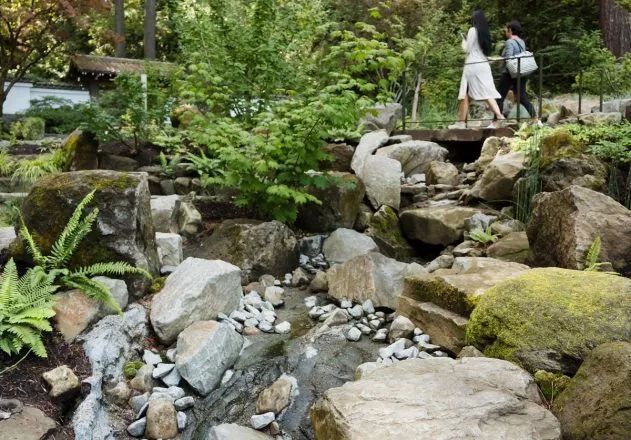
x: 484, y: 237
x: 593, y: 253
x: 56, y: 264
x: 26, y: 306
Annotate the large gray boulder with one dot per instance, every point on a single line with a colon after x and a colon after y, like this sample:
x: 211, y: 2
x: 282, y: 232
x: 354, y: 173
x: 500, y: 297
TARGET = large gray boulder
x: 344, y: 244
x: 565, y: 224
x: 499, y: 177
x: 205, y: 350
x: 339, y: 206
x: 258, y: 248
x: 415, y: 156
x: 473, y: 398
x: 124, y: 229
x: 368, y: 144
x: 231, y: 431
x: 370, y: 277
x: 382, y: 117
x: 441, y: 225
x: 197, y: 290
x: 382, y: 177
x: 442, y: 173
x: 164, y: 210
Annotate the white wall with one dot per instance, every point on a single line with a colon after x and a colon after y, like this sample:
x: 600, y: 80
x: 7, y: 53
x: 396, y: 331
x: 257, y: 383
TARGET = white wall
x: 21, y: 95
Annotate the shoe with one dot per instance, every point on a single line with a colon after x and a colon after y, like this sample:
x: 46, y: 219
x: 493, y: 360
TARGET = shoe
x: 458, y: 126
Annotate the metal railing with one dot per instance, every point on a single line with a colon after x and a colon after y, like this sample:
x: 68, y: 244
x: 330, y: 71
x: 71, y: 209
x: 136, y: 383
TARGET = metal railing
x: 540, y: 75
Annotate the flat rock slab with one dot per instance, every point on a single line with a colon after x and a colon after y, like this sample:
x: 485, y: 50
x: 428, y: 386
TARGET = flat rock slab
x: 30, y: 424
x: 441, y: 399
x: 231, y: 431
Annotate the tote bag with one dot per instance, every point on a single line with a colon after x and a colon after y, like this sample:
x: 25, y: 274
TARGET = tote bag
x: 524, y: 61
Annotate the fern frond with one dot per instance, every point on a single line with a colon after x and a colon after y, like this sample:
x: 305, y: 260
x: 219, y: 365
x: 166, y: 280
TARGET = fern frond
x: 118, y: 268
x: 93, y: 289
x: 5, y: 344
x: 26, y: 335
x: 9, y: 282
x: 593, y: 253
x: 32, y: 247
x: 76, y: 229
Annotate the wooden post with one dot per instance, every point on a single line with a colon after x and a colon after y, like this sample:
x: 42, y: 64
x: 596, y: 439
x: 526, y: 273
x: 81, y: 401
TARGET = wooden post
x: 119, y: 27
x: 150, y: 30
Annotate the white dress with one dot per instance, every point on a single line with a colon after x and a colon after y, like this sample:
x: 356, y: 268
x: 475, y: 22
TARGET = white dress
x: 476, y: 78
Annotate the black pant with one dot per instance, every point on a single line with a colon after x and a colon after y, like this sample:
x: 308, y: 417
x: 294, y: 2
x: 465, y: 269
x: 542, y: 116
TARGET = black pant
x: 508, y: 83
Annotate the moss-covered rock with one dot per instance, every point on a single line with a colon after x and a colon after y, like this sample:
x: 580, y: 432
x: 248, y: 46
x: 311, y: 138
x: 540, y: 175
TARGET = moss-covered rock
x: 558, y: 144
x: 384, y: 228
x: 582, y: 170
x: 551, y: 384
x: 80, y: 149
x: 124, y: 228
x: 596, y: 404
x: 550, y: 319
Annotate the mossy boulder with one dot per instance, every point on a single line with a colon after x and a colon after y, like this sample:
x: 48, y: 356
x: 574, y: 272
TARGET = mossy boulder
x: 124, y: 228
x: 596, y: 404
x: 384, y: 228
x: 582, y: 170
x: 80, y: 149
x: 550, y: 319
x: 558, y: 144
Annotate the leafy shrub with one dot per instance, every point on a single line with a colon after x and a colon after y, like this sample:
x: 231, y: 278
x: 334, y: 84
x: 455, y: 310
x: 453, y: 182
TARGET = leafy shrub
x: 31, y: 170
x: 26, y: 305
x: 30, y: 129
x: 7, y: 164
x: 56, y: 264
x: 61, y: 115
x: 483, y: 236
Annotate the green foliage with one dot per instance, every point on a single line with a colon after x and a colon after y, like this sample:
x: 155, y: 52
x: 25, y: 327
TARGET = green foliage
x: 10, y: 213
x: 29, y: 171
x: 529, y: 185
x: 120, y: 115
x: 30, y: 129
x: 7, y: 165
x: 26, y: 306
x: 484, y: 237
x: 158, y: 284
x: 551, y: 384
x: 56, y: 264
x: 168, y: 165
x: 61, y: 115
x: 131, y: 368
x: 593, y: 255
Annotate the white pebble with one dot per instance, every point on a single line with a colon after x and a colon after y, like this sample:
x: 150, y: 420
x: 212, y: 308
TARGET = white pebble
x: 283, y: 327
x: 354, y: 334
x: 260, y: 421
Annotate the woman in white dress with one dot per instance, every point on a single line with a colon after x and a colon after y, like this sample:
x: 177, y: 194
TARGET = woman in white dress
x: 477, y: 78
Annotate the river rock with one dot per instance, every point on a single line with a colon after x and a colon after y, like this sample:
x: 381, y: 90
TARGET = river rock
x: 499, y: 177
x: 382, y: 117
x: 414, y: 156
x: 169, y: 248
x: 124, y: 228
x: 164, y: 211
x: 595, y: 405
x: 382, y: 177
x: 489, y: 149
x: 492, y: 398
x: 344, y: 244
x: 385, y: 230
x: 442, y: 225
x: 584, y: 309
x: 29, y: 424
x: 119, y: 291
x: 581, y: 170
x: 401, y: 327
x: 275, y: 398
x: 137, y: 428
x: 372, y: 277
x: 197, y: 290
x: 189, y: 219
x: 161, y: 420
x: 339, y: 208
x: 260, y: 421
x: 512, y: 247
x: 74, y: 312
x: 442, y: 173
x: 258, y: 248
x: 368, y: 144
x: 205, y: 350
x: 63, y: 383
x: 565, y: 224
x: 234, y: 432
x: 320, y: 282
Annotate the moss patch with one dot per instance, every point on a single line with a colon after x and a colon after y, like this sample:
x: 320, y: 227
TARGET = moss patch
x: 131, y: 368
x: 551, y: 384
x: 558, y: 144
x: 551, y: 318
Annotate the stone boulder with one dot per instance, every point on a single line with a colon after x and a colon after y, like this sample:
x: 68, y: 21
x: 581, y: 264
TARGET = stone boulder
x: 276, y: 397
x: 512, y: 247
x: 442, y: 173
x: 595, y: 405
x: 441, y: 225
x: 382, y: 117
x: 384, y: 228
x: 161, y: 420
x: 164, y: 210
x: 341, y: 155
x: 382, y: 177
x: 368, y: 144
x: 197, y: 290
x: 466, y: 398
x: 81, y: 148
x: 339, y: 207
x: 169, y: 248
x: 489, y: 150
x: 231, y: 431
x: 582, y: 170
x: 565, y: 224
x: 414, y: 156
x: 205, y: 350
x: 344, y: 244
x: 499, y: 177
x: 258, y: 248
x: 550, y: 319
x: 124, y: 228
x: 29, y: 424
x: 597, y: 118
x: 372, y: 276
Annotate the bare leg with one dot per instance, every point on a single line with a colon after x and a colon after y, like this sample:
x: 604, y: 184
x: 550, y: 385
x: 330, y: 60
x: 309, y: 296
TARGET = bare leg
x: 463, y: 109
x: 495, y: 108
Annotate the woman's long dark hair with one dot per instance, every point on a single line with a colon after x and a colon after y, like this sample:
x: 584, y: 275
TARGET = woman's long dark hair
x: 484, y: 34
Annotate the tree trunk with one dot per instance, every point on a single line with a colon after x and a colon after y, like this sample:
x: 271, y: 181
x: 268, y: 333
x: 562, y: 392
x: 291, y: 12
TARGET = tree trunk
x: 3, y: 97
x: 119, y: 24
x: 150, y: 29
x: 417, y: 92
x: 615, y: 23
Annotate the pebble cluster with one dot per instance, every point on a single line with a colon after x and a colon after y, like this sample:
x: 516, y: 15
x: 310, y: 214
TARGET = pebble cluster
x: 257, y: 314
x: 404, y: 348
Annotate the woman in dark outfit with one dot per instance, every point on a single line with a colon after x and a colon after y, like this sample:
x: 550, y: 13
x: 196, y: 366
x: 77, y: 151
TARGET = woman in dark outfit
x: 514, y: 46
